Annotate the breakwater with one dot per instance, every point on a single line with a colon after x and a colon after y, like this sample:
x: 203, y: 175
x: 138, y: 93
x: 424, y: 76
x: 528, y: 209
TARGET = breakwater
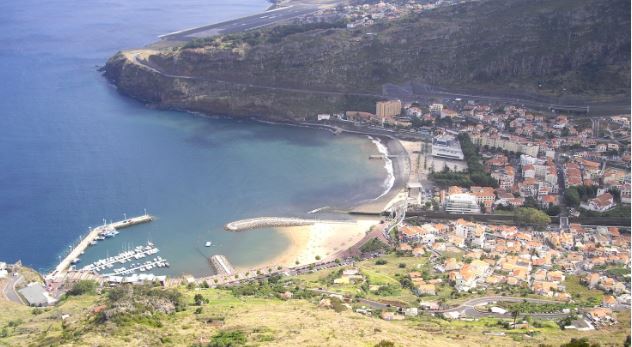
x: 73, y: 255
x: 268, y: 222
x: 221, y: 265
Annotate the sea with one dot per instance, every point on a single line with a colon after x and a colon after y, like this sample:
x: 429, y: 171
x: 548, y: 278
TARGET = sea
x: 74, y: 153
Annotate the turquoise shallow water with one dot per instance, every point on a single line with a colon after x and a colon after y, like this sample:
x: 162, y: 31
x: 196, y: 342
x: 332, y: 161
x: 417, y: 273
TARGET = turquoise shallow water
x: 74, y: 151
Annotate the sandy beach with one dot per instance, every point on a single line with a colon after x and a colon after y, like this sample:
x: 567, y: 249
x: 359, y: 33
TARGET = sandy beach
x: 401, y: 169
x: 326, y: 240
x: 321, y: 239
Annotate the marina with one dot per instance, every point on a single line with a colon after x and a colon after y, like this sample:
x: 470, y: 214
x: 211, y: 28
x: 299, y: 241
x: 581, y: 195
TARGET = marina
x: 95, y: 234
x: 137, y: 253
x: 157, y: 262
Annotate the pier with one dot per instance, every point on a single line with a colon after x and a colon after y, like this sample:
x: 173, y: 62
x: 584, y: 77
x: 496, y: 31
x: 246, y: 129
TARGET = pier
x: 91, y: 236
x: 221, y: 265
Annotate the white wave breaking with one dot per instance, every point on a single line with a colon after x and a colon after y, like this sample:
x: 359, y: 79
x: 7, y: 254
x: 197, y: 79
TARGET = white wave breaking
x: 389, y: 181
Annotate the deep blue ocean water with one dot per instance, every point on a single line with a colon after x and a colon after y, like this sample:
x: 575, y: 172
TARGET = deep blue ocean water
x: 73, y: 151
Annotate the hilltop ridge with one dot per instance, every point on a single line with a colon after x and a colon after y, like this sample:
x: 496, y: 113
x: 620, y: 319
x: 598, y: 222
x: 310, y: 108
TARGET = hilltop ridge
x: 561, y: 50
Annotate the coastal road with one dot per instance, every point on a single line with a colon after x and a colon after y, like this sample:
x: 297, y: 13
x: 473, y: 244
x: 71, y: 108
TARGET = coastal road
x: 541, y: 103
x: 256, y: 21
x: 137, y: 57
x: 468, y: 308
x: 9, y: 291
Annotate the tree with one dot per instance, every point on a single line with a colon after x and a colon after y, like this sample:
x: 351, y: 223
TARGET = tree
x: 616, y: 194
x: 198, y: 299
x: 553, y: 210
x: 514, y: 313
x: 571, y: 197
x: 525, y: 215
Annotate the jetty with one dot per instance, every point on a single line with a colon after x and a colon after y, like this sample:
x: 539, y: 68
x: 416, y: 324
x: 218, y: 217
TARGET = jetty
x: 221, y: 265
x: 75, y: 252
x: 268, y: 222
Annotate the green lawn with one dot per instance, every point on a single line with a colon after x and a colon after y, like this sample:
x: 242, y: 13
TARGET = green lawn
x: 580, y: 292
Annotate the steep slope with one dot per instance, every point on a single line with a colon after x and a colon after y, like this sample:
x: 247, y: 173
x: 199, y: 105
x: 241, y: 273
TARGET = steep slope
x: 578, y: 48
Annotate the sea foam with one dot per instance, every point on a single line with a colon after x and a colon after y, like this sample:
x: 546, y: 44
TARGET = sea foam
x: 389, y: 181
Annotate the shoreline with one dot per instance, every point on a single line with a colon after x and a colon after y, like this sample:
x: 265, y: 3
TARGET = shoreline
x: 318, y: 242
x: 302, y: 236
x: 315, y: 239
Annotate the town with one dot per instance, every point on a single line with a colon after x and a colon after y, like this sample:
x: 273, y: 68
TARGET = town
x: 512, y: 216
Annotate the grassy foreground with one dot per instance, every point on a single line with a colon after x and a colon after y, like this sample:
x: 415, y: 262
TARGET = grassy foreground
x: 222, y: 317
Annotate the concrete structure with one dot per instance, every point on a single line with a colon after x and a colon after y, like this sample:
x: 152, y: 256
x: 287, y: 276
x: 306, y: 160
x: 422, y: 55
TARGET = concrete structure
x: 388, y: 109
x: 36, y: 295
x: 221, y: 265
x: 506, y: 143
x: 462, y: 203
x: 446, y: 146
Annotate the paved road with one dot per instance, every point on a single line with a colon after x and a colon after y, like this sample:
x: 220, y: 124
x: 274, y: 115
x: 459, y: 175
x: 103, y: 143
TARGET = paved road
x: 540, y: 103
x: 9, y: 291
x: 467, y: 308
x: 256, y: 21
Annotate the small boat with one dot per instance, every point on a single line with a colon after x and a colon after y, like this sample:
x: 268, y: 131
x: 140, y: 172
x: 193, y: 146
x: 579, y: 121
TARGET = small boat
x: 76, y: 260
x: 208, y: 244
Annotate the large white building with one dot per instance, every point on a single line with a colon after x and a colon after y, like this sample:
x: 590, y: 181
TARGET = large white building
x: 446, y: 146
x: 462, y: 203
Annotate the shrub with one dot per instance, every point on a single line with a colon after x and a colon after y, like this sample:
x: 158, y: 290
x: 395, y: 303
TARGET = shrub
x: 229, y: 338
x: 83, y: 287
x: 380, y: 262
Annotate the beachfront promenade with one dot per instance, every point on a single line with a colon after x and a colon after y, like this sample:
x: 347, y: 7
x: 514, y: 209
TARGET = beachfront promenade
x: 92, y: 235
x: 268, y: 222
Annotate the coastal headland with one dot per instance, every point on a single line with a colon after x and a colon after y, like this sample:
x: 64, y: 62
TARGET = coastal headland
x: 247, y: 72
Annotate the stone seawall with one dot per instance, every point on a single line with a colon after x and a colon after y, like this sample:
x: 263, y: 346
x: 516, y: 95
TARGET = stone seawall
x: 266, y: 222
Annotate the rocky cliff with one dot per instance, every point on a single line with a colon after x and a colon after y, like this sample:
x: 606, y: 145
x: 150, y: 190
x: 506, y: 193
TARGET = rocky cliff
x: 579, y: 48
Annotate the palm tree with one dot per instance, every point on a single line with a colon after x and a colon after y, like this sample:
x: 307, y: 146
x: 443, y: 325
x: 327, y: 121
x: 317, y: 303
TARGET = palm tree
x: 514, y: 313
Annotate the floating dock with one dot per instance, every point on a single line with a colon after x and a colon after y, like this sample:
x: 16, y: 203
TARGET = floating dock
x: 221, y: 265
x: 91, y: 236
x: 137, y: 253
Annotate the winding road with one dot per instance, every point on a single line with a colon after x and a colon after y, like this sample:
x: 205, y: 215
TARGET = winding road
x: 468, y: 309
x: 9, y: 292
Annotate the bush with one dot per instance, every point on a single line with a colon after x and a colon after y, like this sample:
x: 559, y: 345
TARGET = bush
x: 83, y: 287
x: 374, y: 245
x: 380, y: 262
x: 525, y: 215
x: 229, y: 338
